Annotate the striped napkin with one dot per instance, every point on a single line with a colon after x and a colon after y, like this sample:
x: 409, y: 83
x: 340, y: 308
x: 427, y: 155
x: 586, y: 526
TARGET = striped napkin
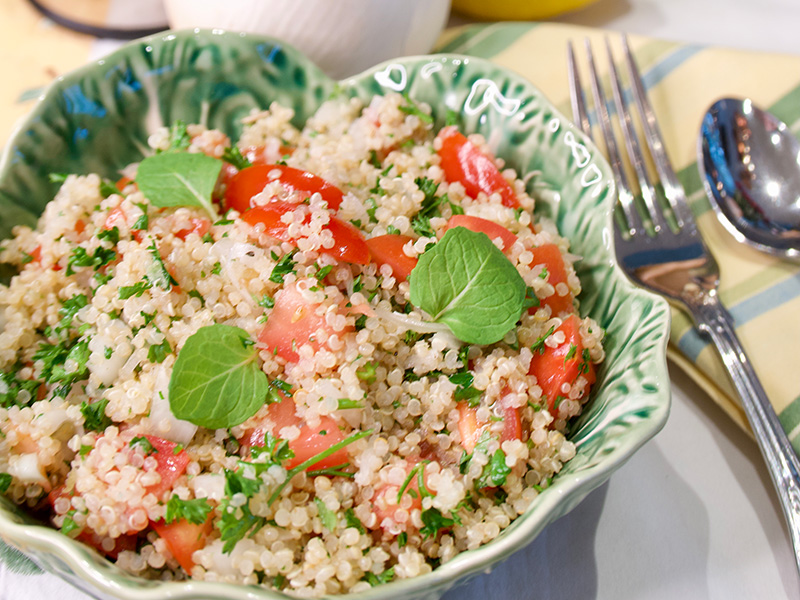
x: 762, y: 293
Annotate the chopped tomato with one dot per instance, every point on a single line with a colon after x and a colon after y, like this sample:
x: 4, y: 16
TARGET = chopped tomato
x: 184, y: 538
x: 512, y: 424
x: 116, y: 218
x: 123, y: 182
x: 468, y: 426
x: 464, y: 162
x: 292, y: 323
x: 550, y: 256
x: 349, y: 245
x: 384, y: 500
x: 471, y: 430
x: 36, y: 254
x: 80, y: 226
x: 310, y: 442
x: 388, y: 250
x: 197, y: 225
x: 554, y: 367
x: 490, y: 228
x: 123, y: 542
x: 171, y: 460
x: 252, y: 180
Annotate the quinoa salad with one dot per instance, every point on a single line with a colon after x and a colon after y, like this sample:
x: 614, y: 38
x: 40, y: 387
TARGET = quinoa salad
x: 314, y: 359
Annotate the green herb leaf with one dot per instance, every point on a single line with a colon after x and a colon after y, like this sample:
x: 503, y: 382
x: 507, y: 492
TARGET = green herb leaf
x: 353, y: 521
x: 143, y: 443
x: 217, y: 381
x: 194, y: 511
x: 94, y: 415
x: 232, y: 155
x: 345, y: 403
x: 326, y: 515
x: 402, y: 539
x: 5, y: 482
x: 156, y: 353
x: 412, y: 109
x: 137, y: 289
x: 494, y: 472
x: 466, y: 282
x: 433, y: 522
x: 284, y: 267
x: 179, y: 179
x: 368, y: 372
x: 384, y: 577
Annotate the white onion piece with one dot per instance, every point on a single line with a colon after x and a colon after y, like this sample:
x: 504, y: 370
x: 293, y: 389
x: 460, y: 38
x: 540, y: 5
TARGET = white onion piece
x: 230, y: 253
x: 28, y: 469
x: 163, y: 423
x: 208, y: 485
x: 105, y: 369
x: 407, y: 322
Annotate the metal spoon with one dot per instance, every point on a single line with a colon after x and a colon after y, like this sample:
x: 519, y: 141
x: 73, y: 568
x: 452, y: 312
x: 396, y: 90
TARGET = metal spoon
x: 750, y: 165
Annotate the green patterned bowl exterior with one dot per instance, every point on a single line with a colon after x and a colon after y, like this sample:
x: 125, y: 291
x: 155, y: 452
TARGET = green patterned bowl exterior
x: 98, y: 118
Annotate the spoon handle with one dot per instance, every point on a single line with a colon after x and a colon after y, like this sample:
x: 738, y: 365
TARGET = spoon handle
x: 783, y: 463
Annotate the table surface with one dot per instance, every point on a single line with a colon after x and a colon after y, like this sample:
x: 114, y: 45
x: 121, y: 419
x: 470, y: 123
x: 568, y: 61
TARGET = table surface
x: 693, y: 514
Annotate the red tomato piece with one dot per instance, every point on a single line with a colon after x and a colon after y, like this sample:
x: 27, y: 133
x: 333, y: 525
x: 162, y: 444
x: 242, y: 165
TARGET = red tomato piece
x: 116, y: 218
x: 171, y: 464
x: 349, y: 245
x: 468, y: 426
x: 36, y: 254
x: 123, y: 542
x: 384, y: 500
x: 292, y: 323
x: 184, y: 538
x: 388, y: 250
x: 550, y: 256
x: 553, y: 367
x: 310, y: 442
x: 197, y: 225
x: 123, y: 182
x: 479, y: 225
x: 512, y: 424
x: 464, y: 162
x: 251, y: 181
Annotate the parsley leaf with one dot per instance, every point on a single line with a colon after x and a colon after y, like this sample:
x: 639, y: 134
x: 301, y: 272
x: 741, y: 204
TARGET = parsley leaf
x: 433, y: 522
x: 5, y: 482
x: 94, y: 415
x: 194, y: 511
x: 412, y: 109
x: 494, y: 472
x: 284, y: 267
x: 326, y: 515
x: 232, y: 155
x: 384, y: 577
x: 352, y: 520
x: 156, y: 353
x: 142, y: 442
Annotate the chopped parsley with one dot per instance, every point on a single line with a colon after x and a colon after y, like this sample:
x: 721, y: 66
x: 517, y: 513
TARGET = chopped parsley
x: 384, y: 577
x: 538, y: 345
x: 179, y: 138
x: 433, y: 521
x: 80, y: 258
x: 351, y: 520
x: 367, y: 372
x: 232, y: 155
x: 284, y: 266
x: 156, y: 353
x: 411, y: 108
x: 137, y: 289
x: 94, y: 415
x: 326, y: 515
x: 5, y: 482
x: 143, y: 444
x: 194, y: 511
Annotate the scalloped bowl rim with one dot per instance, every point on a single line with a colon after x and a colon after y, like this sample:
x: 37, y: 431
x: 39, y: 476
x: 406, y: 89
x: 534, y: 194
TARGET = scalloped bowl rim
x: 568, y: 485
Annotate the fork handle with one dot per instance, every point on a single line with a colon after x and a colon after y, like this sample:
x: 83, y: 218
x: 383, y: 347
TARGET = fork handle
x: 783, y: 463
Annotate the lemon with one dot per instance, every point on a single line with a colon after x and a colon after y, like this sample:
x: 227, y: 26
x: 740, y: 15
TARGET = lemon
x: 511, y: 10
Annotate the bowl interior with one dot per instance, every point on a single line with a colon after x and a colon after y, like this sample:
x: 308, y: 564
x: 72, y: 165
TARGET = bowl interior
x: 98, y: 119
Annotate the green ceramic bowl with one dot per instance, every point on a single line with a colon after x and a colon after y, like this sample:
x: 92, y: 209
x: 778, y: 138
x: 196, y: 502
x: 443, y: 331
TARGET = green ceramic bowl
x: 97, y: 119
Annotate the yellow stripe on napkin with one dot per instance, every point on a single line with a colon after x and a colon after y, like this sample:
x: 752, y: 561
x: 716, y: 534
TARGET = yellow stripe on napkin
x: 762, y: 293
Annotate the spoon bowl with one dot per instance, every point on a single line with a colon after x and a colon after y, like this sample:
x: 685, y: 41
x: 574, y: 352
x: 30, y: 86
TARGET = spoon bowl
x: 749, y: 162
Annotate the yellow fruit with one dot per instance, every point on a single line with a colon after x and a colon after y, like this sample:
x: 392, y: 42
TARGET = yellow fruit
x: 515, y: 10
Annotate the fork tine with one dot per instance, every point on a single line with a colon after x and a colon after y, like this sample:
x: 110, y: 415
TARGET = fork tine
x: 632, y: 144
x: 626, y: 197
x: 672, y: 187
x: 576, y: 93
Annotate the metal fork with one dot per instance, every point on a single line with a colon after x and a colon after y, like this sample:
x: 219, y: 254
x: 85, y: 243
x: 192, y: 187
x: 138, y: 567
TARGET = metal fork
x: 672, y: 260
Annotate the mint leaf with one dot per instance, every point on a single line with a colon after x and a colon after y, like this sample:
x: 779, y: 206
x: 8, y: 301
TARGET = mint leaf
x: 179, y: 179
x: 217, y: 382
x: 467, y: 283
